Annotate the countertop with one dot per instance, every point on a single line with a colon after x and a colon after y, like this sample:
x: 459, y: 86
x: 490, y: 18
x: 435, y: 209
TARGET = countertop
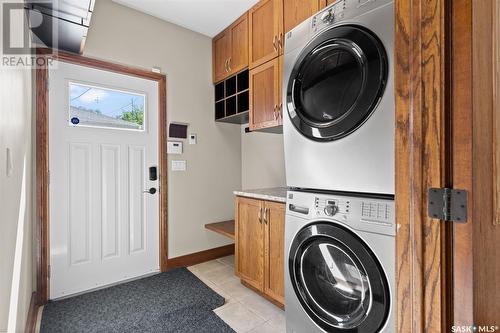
x: 271, y: 194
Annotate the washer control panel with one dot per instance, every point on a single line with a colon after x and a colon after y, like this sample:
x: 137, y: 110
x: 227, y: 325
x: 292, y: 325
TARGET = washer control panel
x: 366, y: 213
x: 331, y: 206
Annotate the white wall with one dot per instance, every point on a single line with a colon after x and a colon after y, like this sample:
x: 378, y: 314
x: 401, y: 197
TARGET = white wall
x: 203, y: 194
x: 16, y: 217
x: 262, y: 160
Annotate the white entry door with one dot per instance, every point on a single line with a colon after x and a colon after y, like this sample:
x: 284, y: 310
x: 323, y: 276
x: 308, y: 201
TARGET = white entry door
x: 103, y: 140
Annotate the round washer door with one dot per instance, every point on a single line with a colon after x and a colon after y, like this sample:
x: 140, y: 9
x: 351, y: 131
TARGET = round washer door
x: 338, y: 280
x: 336, y: 83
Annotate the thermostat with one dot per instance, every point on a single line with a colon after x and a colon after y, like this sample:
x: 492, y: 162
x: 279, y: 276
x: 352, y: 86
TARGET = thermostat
x: 174, y: 147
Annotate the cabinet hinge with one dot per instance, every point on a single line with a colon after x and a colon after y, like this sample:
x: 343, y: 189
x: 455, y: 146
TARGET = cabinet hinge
x: 447, y: 204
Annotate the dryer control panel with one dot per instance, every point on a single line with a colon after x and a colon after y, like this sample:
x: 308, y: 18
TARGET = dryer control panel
x: 343, y: 10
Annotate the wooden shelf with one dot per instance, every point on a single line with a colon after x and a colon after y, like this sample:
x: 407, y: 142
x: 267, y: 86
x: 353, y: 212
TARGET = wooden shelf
x: 225, y: 228
x: 239, y: 118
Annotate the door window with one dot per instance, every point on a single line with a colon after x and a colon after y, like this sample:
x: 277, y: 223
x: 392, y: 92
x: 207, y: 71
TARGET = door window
x: 93, y: 106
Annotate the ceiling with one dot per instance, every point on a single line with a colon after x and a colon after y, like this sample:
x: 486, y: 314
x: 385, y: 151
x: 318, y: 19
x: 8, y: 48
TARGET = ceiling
x: 208, y: 17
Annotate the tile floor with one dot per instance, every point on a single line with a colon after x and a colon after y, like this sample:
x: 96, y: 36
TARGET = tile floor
x: 245, y: 310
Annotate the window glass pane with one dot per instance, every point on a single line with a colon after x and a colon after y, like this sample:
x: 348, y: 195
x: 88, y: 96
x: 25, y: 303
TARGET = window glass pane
x: 103, y: 107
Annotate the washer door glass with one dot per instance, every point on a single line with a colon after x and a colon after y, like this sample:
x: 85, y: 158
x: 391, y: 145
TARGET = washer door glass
x: 336, y: 83
x: 336, y: 283
x: 338, y: 280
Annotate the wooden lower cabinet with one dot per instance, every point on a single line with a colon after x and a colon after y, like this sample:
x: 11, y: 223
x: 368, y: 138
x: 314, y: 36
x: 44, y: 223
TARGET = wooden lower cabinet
x: 249, y: 239
x: 273, y: 250
x: 259, y: 237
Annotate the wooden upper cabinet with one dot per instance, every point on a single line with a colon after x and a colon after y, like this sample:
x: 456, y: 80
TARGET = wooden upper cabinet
x: 220, y: 55
x: 249, y: 237
x: 265, y: 95
x: 274, y: 243
x: 230, y: 49
x: 265, y: 22
x: 238, y: 59
x: 296, y: 11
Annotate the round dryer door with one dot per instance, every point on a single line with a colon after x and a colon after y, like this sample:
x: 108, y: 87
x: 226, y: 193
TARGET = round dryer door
x: 336, y: 83
x: 338, y: 280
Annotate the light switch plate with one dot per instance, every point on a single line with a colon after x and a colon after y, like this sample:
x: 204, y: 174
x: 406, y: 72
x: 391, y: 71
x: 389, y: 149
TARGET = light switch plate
x: 192, y: 139
x: 178, y: 165
x: 174, y: 147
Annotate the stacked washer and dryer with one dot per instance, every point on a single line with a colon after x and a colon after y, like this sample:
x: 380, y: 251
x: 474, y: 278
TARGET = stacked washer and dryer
x: 339, y: 158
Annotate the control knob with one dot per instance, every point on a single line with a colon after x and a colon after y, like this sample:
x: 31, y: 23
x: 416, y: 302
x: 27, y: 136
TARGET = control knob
x: 327, y: 17
x: 331, y: 210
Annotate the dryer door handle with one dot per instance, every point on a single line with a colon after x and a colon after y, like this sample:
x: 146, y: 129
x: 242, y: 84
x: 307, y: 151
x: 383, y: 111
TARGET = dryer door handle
x: 298, y: 209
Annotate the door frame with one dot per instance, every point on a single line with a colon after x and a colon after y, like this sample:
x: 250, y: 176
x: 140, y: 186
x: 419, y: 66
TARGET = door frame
x: 420, y: 146
x: 446, y: 108
x: 42, y: 223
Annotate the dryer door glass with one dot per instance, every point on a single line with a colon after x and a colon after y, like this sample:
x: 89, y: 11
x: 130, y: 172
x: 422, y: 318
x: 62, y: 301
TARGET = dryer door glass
x: 331, y: 80
x: 336, y: 83
x: 338, y: 280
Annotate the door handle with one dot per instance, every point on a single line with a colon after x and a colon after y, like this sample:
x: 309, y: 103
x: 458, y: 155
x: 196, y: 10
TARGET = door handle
x: 274, y: 44
x: 266, y: 212
x: 152, y: 190
x: 297, y: 209
x: 229, y: 64
x: 280, y: 40
x: 260, y: 215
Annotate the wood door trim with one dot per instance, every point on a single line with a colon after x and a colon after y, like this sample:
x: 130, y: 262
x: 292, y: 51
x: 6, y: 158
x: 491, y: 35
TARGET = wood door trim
x: 420, y: 146
x: 30, y: 325
x: 486, y: 232
x: 42, y: 158
x: 459, y: 272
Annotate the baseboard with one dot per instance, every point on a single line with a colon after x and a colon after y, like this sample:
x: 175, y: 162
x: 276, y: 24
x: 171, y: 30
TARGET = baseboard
x: 199, y: 257
x: 32, y: 314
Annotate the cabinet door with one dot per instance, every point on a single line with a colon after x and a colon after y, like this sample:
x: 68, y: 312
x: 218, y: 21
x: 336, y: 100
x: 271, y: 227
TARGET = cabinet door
x: 249, y: 256
x: 296, y: 11
x: 220, y: 50
x: 274, y: 267
x: 265, y: 27
x: 265, y: 95
x: 239, y: 45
